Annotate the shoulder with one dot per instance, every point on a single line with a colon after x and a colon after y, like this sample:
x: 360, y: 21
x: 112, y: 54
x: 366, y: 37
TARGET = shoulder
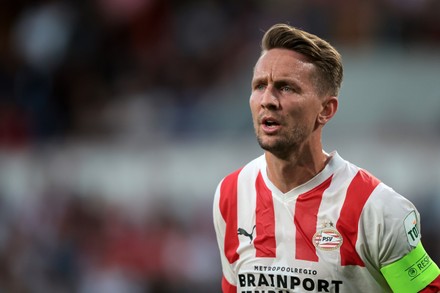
x: 393, y: 221
x: 246, y: 172
x: 389, y: 205
x: 227, y: 189
x: 384, y: 206
x: 380, y: 198
x: 389, y: 222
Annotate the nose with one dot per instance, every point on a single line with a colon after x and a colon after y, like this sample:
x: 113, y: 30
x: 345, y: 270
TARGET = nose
x: 269, y: 99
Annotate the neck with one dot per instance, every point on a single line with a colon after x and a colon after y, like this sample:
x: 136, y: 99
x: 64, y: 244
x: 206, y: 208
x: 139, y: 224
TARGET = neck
x: 298, y: 168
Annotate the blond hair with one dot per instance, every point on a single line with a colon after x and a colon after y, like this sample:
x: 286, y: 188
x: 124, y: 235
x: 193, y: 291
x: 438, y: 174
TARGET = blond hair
x: 319, y: 52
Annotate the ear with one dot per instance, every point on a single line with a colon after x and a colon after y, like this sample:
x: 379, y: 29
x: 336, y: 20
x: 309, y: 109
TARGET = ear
x: 329, y: 108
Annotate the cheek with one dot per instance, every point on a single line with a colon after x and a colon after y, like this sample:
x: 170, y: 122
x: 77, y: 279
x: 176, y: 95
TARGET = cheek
x: 252, y: 99
x: 253, y: 104
x: 300, y: 116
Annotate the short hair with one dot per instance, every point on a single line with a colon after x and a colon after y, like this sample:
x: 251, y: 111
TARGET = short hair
x: 319, y: 52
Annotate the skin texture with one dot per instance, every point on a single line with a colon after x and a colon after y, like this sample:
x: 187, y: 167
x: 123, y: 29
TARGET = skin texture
x: 288, y: 115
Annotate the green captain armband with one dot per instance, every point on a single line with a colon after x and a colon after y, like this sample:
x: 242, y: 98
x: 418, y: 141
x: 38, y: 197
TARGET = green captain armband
x: 411, y: 273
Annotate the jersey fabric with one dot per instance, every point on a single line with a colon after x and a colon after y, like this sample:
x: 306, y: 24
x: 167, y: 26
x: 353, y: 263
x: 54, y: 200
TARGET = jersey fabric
x: 342, y: 231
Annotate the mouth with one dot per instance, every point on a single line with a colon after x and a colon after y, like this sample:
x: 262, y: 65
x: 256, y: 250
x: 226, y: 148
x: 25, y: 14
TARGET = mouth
x: 270, y: 121
x: 270, y: 124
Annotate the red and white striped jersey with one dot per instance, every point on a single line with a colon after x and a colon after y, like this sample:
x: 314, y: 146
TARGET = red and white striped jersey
x: 332, y: 234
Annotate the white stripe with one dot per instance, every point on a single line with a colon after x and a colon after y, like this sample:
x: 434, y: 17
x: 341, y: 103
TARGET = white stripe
x: 286, y: 231
x: 334, y: 196
x: 246, y: 205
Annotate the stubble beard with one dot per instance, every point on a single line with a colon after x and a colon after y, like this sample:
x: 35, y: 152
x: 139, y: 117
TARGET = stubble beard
x: 283, y: 145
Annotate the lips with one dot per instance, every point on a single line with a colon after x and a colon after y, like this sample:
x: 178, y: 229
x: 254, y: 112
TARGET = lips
x: 269, y: 121
x: 270, y: 124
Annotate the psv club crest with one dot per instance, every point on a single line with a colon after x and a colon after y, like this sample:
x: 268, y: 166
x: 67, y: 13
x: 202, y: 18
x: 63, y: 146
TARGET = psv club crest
x: 327, y: 238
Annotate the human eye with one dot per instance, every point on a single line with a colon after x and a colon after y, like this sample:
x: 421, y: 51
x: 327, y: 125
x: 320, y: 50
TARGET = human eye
x: 259, y: 86
x: 286, y: 88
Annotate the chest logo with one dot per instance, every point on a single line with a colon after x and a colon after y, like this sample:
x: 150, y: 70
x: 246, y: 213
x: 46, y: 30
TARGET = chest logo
x: 327, y: 238
x: 242, y: 231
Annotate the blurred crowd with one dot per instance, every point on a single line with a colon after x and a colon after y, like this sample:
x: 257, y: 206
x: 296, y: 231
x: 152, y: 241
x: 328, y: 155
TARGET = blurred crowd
x: 137, y: 71
x: 101, y: 69
x: 67, y: 243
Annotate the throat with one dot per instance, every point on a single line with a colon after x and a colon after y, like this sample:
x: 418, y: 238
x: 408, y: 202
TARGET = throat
x: 287, y: 175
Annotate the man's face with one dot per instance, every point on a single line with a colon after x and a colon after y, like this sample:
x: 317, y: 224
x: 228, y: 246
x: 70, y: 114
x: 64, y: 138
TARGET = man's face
x: 284, y: 102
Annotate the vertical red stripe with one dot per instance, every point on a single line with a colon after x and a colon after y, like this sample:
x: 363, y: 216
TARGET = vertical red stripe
x: 264, y: 243
x: 228, y: 209
x: 227, y: 287
x: 306, y: 218
x: 358, y: 193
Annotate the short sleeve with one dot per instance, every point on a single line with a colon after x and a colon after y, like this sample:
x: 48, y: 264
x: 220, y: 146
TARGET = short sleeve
x: 391, y: 229
x: 390, y: 225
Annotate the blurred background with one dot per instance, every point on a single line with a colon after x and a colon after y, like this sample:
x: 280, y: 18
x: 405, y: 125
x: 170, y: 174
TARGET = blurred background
x: 118, y: 118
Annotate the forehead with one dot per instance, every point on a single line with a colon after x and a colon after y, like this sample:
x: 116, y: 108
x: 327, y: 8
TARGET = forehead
x: 282, y: 63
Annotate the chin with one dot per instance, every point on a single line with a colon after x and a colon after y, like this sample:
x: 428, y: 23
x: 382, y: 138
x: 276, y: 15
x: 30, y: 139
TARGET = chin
x: 273, y: 146
x: 278, y: 147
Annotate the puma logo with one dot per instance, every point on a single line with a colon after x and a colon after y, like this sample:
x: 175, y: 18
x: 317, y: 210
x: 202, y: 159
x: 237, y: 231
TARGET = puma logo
x: 242, y: 231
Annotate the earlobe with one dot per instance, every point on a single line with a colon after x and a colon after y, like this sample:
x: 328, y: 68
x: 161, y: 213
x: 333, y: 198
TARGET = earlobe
x: 329, y: 108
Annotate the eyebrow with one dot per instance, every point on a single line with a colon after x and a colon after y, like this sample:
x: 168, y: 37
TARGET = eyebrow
x: 277, y: 83
x: 258, y: 80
